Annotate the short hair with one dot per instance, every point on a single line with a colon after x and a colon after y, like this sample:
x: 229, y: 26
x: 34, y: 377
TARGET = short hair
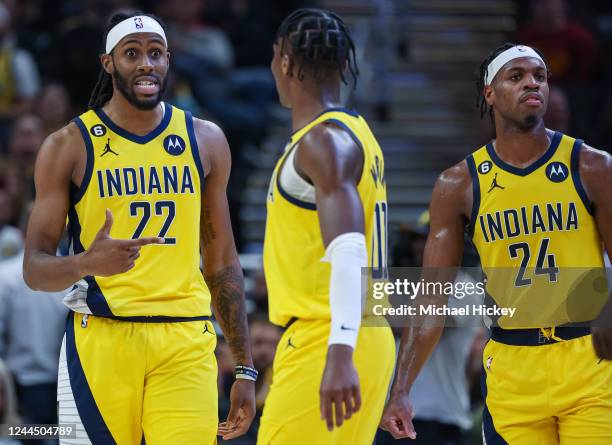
x: 481, y: 103
x: 320, y: 42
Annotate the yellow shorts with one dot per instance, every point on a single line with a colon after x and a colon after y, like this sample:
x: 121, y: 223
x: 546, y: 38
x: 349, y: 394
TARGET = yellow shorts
x: 291, y: 414
x: 121, y: 382
x: 556, y: 393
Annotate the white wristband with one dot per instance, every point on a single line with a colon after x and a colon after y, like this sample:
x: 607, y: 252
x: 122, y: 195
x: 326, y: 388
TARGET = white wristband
x: 347, y: 254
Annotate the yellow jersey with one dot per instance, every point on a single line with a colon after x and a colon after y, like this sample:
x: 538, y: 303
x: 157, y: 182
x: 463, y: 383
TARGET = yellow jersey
x: 297, y: 279
x: 536, y: 236
x: 152, y: 185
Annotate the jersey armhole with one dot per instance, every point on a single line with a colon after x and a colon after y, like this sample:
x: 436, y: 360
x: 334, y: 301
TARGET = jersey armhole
x: 475, y: 194
x: 575, y: 167
x: 77, y: 192
x: 289, y: 198
x: 195, y: 151
x: 355, y: 139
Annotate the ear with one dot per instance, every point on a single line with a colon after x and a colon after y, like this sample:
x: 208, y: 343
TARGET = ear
x: 287, y: 65
x: 489, y: 95
x: 107, y: 63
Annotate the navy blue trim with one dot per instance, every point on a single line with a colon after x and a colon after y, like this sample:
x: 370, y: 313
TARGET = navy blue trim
x: 575, y: 167
x: 347, y: 129
x: 156, y: 318
x: 492, y: 437
x: 194, y: 147
x: 74, y: 231
x: 95, y: 299
x: 134, y: 137
x: 550, y: 151
x: 283, y: 192
x: 475, y: 193
x: 291, y: 199
x: 355, y: 139
x: 534, y: 337
x: 89, y: 165
x: 89, y: 413
x: 328, y: 110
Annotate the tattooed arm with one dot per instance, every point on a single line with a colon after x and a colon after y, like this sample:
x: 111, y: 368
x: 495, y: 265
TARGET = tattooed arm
x: 222, y: 270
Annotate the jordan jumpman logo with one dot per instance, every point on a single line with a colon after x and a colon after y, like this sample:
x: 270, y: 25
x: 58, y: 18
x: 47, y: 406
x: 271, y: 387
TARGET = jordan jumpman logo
x: 494, y: 184
x: 108, y: 149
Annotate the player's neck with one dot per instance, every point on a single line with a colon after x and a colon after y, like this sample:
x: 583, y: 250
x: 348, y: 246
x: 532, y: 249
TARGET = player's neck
x: 309, y: 106
x: 520, y: 147
x: 130, y: 118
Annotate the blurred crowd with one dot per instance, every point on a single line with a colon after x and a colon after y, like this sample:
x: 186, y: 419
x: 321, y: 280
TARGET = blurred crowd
x: 575, y: 38
x: 48, y: 66
x: 219, y: 69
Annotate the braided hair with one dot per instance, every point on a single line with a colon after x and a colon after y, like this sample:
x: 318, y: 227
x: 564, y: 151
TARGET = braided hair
x: 320, y: 43
x: 481, y: 103
x: 103, y: 90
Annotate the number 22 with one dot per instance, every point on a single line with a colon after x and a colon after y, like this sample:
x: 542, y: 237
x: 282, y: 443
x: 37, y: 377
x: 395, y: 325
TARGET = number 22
x: 145, y: 206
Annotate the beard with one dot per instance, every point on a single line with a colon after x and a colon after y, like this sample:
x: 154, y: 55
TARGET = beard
x: 530, y: 121
x: 126, y: 90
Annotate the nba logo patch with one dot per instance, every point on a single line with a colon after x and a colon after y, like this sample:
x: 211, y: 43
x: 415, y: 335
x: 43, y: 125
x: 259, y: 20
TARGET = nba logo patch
x: 138, y: 22
x: 174, y: 145
x: 489, y: 361
x: 557, y: 171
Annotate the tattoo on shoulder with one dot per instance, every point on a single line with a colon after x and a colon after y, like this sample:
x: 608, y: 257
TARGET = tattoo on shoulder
x: 207, y: 230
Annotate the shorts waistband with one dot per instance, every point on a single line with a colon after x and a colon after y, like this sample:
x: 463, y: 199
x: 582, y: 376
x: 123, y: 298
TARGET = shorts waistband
x: 155, y: 318
x: 535, y: 336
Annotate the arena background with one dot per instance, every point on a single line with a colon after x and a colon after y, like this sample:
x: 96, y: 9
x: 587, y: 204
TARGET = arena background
x: 418, y: 61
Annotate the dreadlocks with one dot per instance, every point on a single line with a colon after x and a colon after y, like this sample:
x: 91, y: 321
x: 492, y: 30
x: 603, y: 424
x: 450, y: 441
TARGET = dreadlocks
x: 103, y: 90
x: 320, y: 42
x: 480, y: 83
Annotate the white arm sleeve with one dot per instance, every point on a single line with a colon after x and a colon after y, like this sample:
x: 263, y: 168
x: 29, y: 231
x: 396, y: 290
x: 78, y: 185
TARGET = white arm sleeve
x: 347, y: 254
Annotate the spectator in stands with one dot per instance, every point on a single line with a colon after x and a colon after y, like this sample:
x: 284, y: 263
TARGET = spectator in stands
x: 8, y: 405
x: 31, y: 330
x: 557, y: 115
x: 237, y: 99
x: 11, y: 240
x: 72, y: 57
x: 26, y: 137
x: 19, y: 79
x: 570, y: 48
x: 54, y: 107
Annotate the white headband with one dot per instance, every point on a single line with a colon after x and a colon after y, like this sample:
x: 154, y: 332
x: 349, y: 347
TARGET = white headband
x: 133, y: 25
x: 515, y: 52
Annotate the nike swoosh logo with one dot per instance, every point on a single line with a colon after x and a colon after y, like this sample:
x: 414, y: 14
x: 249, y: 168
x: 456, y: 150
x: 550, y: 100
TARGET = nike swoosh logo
x: 344, y: 328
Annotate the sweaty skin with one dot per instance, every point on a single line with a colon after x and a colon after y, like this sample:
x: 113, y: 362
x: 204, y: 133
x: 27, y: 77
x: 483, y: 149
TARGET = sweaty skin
x: 61, y: 162
x: 518, y: 96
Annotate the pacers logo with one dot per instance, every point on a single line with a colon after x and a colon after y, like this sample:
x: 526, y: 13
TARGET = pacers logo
x: 174, y: 145
x: 557, y: 171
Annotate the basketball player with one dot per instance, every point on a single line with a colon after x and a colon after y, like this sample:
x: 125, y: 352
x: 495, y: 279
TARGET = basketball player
x: 327, y: 214
x: 542, y: 384
x: 137, y: 363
